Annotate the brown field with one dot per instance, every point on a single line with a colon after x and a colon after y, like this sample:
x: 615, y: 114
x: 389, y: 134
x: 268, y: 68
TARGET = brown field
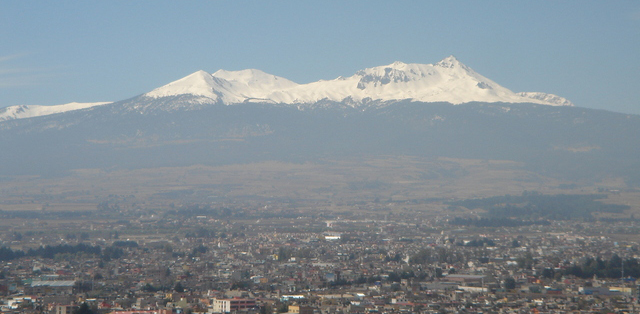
x: 337, y: 185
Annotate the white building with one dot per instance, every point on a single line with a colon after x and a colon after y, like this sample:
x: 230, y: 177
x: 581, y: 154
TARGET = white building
x: 231, y: 305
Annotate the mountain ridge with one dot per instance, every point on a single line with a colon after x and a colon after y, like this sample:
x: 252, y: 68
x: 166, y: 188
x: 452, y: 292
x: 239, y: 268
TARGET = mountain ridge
x: 31, y: 111
x: 448, y: 80
x: 232, y: 117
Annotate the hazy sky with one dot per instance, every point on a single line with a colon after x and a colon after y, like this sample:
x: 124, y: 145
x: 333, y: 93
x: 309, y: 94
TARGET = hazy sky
x: 55, y: 52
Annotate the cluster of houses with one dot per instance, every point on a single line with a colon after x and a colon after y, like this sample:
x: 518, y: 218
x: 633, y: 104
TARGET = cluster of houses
x: 347, y: 266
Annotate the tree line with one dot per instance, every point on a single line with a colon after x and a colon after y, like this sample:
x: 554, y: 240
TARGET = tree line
x: 49, y: 251
x: 496, y: 222
x: 612, y: 268
x: 537, y: 206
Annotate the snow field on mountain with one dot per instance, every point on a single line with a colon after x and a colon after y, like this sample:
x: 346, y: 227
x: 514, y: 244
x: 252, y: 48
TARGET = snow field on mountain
x: 30, y: 111
x: 446, y: 81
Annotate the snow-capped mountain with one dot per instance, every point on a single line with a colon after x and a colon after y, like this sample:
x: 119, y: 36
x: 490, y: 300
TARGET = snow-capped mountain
x: 250, y: 116
x: 445, y: 81
x: 30, y: 111
x: 550, y: 98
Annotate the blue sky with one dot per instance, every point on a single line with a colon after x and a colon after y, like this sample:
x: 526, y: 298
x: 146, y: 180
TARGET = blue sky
x: 55, y: 52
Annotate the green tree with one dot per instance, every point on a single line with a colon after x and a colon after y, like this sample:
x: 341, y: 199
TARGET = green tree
x: 548, y: 273
x: 525, y: 261
x: 283, y: 307
x: 509, y: 283
x: 178, y: 287
x: 149, y: 288
x: 422, y: 257
x: 83, y: 309
x: 284, y: 254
